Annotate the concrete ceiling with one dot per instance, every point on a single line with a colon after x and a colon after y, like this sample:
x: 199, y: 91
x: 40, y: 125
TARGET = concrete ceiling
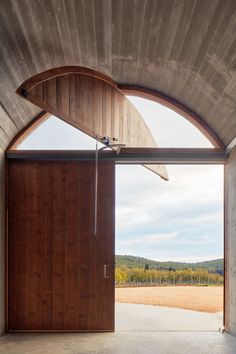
x: 185, y: 49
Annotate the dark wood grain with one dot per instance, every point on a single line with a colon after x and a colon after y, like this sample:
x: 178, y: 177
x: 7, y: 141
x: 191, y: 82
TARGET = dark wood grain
x: 56, y: 263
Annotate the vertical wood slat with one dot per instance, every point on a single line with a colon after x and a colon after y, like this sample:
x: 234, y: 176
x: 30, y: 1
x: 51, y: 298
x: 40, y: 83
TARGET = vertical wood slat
x: 72, y: 97
x: 56, y: 277
x: 63, y: 95
x: 51, y: 92
x: 59, y: 244
x: 97, y: 108
x: 106, y: 236
x: 26, y: 219
x: 87, y: 104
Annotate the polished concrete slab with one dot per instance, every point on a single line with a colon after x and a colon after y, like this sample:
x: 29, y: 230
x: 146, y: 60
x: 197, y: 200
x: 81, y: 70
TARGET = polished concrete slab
x: 140, y: 329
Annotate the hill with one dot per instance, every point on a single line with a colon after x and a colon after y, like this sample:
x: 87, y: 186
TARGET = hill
x: 216, y: 266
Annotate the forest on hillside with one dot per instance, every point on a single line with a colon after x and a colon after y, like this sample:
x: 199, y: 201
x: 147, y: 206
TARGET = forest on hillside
x: 134, y: 271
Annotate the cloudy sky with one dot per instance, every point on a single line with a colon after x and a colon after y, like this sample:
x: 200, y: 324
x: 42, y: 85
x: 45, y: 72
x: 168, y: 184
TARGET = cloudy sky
x: 178, y: 220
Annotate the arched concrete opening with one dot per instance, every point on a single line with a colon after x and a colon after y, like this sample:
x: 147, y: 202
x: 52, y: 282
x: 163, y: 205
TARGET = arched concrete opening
x: 25, y: 91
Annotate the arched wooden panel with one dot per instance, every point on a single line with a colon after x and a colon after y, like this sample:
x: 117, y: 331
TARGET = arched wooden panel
x: 91, y: 103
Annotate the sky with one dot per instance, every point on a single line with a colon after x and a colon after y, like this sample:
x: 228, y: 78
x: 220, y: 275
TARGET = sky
x: 179, y: 220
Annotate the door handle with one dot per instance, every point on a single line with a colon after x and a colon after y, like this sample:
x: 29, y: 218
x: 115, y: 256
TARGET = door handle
x: 105, y: 272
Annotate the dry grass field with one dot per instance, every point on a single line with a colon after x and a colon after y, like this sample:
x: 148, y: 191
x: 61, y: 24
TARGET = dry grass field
x: 206, y: 299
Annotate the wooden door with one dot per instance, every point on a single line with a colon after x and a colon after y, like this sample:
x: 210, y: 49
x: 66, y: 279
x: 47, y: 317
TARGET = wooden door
x: 60, y: 274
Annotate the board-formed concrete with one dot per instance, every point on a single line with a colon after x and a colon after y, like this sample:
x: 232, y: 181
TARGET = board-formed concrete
x: 230, y: 245
x: 141, y: 329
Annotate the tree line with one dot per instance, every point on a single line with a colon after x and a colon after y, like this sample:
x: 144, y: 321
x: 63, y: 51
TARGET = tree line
x: 214, y: 266
x: 146, y: 276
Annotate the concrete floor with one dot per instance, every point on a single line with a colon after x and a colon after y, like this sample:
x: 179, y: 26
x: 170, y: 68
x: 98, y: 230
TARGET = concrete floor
x: 140, y: 329
x: 132, y: 317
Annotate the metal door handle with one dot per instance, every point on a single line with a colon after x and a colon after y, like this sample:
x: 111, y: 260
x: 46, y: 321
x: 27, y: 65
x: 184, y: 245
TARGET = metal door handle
x: 106, y: 274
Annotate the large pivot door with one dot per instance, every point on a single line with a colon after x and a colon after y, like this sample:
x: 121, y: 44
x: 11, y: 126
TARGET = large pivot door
x: 60, y: 246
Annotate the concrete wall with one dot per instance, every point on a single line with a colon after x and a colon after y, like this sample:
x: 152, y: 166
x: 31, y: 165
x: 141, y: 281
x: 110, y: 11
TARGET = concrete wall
x: 230, y: 245
x: 2, y: 245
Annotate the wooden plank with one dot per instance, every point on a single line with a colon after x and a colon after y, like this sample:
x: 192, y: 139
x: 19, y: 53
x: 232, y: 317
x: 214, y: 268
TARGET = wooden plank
x: 115, y: 118
x: 72, y: 97
x: 87, y: 103
x: 63, y: 96
x: 29, y: 257
x: 96, y: 108
x: 59, y: 244
x: 106, y: 108
x: 78, y: 92
x: 51, y: 92
x: 105, y: 240
x: 38, y: 92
